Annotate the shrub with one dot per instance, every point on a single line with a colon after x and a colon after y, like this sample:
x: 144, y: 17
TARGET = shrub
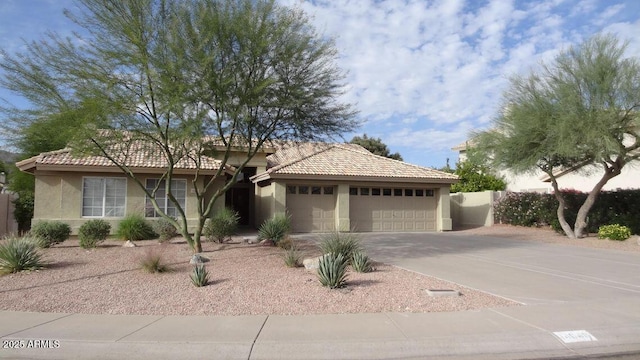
x: 199, y: 275
x: 275, y: 229
x: 222, y: 225
x: 153, y: 262
x: 361, y: 262
x: 23, y: 211
x: 93, y: 232
x: 18, y: 254
x: 50, y: 232
x: 135, y: 227
x: 286, y: 243
x: 164, y: 229
x: 332, y: 270
x: 614, y: 232
x: 292, y: 257
x: 345, y: 244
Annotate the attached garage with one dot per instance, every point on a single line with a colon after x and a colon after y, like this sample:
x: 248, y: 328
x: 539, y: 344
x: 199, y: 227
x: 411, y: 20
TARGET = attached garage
x: 312, y: 208
x: 344, y: 187
x: 392, y: 209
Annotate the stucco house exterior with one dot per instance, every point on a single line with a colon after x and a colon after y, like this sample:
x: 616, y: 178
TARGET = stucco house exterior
x: 581, y: 179
x: 324, y: 187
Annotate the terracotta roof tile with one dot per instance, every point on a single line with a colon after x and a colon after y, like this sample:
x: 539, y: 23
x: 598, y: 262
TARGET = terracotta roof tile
x: 140, y: 158
x: 345, y: 160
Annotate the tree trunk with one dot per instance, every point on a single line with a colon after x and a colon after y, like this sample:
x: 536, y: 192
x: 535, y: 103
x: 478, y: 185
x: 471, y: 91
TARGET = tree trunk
x: 581, y: 218
x: 561, y: 205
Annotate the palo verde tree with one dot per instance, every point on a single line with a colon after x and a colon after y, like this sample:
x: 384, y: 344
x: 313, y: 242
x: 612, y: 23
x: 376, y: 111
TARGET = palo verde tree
x: 580, y: 112
x: 185, y: 80
x: 375, y: 146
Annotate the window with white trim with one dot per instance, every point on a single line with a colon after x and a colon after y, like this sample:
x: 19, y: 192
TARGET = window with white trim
x: 179, y: 191
x: 103, y: 196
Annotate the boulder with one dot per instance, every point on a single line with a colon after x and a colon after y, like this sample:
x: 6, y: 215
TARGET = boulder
x: 250, y: 239
x: 129, y: 243
x: 198, y: 259
x: 267, y: 242
x: 312, y: 263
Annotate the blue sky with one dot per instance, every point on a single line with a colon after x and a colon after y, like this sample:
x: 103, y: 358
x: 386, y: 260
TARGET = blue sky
x: 422, y: 73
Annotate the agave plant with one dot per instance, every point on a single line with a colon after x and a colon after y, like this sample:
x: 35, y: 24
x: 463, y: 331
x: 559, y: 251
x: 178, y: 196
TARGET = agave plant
x: 18, y: 254
x: 341, y: 243
x: 332, y: 270
x: 199, y: 275
x: 360, y: 262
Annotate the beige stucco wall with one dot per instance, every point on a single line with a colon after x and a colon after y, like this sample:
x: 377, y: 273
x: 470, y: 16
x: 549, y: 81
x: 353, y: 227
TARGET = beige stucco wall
x: 58, y: 196
x: 473, y: 208
x: 444, y: 222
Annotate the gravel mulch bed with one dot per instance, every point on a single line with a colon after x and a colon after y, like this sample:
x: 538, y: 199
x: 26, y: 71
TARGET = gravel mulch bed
x: 244, y: 279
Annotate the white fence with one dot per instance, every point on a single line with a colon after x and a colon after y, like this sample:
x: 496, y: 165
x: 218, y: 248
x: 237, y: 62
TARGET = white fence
x: 8, y: 224
x: 473, y: 209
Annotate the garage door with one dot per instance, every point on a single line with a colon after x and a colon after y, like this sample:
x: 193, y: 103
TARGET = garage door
x: 312, y: 208
x: 392, y: 209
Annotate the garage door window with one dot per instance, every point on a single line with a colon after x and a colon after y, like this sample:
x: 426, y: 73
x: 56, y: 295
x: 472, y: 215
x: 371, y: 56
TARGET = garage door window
x: 386, y: 192
x: 291, y: 189
x: 328, y: 190
x: 375, y: 191
x: 397, y: 192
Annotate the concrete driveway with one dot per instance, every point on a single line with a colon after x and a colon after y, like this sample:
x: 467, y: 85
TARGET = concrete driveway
x: 528, y: 272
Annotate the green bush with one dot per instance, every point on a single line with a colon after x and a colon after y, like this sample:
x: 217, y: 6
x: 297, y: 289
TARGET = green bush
x: 23, y: 210
x: 164, y: 229
x: 332, y: 270
x: 535, y: 209
x: 199, y: 275
x: 50, y: 233
x: 18, y: 254
x: 361, y: 262
x: 614, y: 232
x: 93, y: 232
x: 221, y: 226
x: 345, y: 244
x: 153, y: 262
x: 135, y: 227
x: 275, y: 229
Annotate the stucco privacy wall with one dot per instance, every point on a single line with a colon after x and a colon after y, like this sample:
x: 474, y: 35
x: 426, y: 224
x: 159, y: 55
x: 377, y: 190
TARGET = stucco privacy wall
x: 8, y: 224
x: 275, y: 193
x: 473, y: 208
x: 60, y: 198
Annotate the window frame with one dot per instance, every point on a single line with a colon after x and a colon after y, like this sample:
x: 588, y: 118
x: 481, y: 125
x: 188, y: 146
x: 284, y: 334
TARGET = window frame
x: 167, y: 202
x: 104, y: 190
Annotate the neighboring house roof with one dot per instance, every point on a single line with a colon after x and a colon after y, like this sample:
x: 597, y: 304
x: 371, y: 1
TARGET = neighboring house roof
x: 313, y: 160
x: 143, y: 158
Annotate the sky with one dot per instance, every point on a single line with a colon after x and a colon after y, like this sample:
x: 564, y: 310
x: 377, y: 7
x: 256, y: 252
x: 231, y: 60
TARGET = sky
x: 422, y: 74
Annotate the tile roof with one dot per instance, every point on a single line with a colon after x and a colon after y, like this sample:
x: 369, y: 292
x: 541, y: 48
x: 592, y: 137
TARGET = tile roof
x: 137, y: 158
x: 345, y: 160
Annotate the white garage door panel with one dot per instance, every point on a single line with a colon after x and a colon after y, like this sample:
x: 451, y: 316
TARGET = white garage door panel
x: 400, y: 211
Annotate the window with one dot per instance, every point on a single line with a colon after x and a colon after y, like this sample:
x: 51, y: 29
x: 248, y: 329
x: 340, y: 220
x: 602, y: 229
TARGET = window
x: 375, y: 191
x: 353, y: 191
x: 364, y: 191
x: 179, y: 191
x: 103, y: 197
x: 386, y: 192
x: 291, y: 189
x: 419, y: 192
x: 397, y: 192
x: 408, y: 192
x: 316, y: 190
x: 328, y: 190
x: 429, y: 193
x: 303, y: 190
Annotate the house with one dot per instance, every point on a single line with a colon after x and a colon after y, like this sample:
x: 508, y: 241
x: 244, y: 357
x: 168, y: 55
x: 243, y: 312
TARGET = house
x: 581, y: 179
x: 324, y: 187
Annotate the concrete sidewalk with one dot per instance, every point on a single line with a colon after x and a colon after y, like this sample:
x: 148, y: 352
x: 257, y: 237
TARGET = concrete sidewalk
x: 524, y: 332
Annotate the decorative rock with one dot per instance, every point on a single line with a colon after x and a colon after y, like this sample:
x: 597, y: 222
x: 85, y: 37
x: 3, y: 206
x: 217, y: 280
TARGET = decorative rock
x: 129, y: 244
x: 198, y: 259
x: 267, y: 242
x: 312, y: 263
x: 250, y: 239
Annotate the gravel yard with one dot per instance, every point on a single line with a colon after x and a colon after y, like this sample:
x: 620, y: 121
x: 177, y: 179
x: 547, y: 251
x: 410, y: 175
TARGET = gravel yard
x: 244, y: 279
